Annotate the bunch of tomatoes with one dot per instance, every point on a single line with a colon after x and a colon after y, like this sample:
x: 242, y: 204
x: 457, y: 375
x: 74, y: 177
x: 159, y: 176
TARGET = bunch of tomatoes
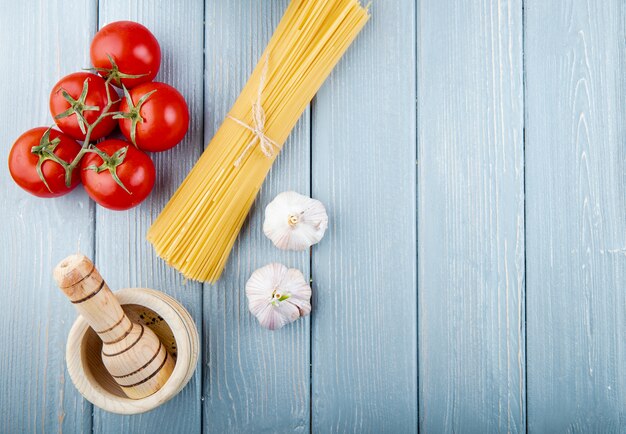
x: 152, y: 116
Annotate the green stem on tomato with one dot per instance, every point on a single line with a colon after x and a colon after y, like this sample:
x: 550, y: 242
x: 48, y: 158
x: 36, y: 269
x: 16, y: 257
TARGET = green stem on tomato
x: 90, y: 127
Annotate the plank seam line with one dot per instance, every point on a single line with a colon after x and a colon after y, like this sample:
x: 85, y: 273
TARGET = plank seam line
x: 311, y: 104
x: 524, y: 400
x: 94, y: 229
x: 203, y: 286
x: 416, y: 210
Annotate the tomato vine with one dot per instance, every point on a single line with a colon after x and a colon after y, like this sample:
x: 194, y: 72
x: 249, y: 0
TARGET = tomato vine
x: 45, y: 150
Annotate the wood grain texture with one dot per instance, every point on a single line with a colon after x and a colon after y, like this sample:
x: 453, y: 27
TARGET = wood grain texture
x: 255, y: 380
x: 471, y: 217
x: 40, y: 41
x: 356, y: 151
x: 124, y: 257
x: 364, y: 356
x: 576, y: 185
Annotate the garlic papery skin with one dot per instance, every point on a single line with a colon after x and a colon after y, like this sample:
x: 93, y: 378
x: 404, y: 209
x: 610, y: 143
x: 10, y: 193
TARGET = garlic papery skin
x: 278, y: 295
x: 295, y: 222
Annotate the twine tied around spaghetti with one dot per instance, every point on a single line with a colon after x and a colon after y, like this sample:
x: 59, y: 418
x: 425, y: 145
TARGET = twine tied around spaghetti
x: 268, y: 146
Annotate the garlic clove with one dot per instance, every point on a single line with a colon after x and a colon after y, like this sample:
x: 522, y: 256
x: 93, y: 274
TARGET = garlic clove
x: 295, y: 222
x: 274, y: 318
x: 278, y: 295
x: 300, y: 291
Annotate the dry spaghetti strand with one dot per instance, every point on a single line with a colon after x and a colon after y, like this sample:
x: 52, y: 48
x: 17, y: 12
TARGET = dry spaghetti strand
x: 197, y: 228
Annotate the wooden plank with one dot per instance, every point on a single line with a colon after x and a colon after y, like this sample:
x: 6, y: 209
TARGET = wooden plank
x: 471, y: 217
x: 364, y: 337
x: 256, y: 380
x: 40, y: 42
x: 576, y: 131
x: 124, y: 257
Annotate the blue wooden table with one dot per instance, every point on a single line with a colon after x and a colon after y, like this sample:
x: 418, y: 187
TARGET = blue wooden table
x: 471, y: 155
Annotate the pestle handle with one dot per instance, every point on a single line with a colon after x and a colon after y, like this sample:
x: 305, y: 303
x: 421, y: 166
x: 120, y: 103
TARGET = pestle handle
x: 81, y: 282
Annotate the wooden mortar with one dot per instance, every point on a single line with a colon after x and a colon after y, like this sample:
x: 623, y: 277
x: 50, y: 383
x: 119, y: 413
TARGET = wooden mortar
x: 171, y: 329
x: 131, y: 352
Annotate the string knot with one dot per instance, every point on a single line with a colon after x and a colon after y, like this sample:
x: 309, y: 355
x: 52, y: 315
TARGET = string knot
x: 267, y: 145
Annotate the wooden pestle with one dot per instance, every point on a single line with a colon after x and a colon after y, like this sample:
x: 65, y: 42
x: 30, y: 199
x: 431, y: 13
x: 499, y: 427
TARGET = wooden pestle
x: 132, y: 353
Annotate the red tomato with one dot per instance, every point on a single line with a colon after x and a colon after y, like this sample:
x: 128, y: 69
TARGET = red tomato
x: 90, y: 104
x: 133, y: 168
x: 134, y: 50
x: 157, y: 113
x: 23, y: 162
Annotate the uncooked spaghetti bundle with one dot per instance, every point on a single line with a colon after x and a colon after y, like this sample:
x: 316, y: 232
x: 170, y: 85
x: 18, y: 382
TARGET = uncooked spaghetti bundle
x: 198, y: 227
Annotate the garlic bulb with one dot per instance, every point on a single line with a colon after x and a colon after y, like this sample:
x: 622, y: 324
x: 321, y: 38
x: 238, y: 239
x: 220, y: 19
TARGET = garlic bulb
x: 295, y: 222
x: 278, y: 295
